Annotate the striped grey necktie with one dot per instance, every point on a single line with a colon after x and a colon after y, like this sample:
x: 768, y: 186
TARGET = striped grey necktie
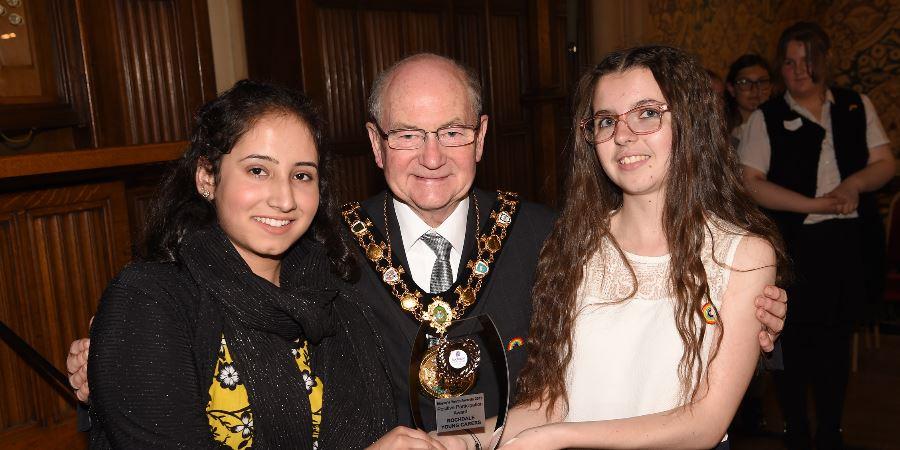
x: 441, y: 275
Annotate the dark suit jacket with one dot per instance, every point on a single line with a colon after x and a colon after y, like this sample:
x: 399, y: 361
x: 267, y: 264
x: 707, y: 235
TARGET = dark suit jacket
x: 506, y: 296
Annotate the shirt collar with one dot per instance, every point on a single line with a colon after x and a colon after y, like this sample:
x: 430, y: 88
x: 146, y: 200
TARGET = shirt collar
x: 412, y: 227
x: 829, y: 98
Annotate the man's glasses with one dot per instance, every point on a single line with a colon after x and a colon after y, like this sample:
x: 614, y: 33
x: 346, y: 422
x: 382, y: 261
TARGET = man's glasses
x: 645, y: 119
x: 411, y: 139
x: 746, y: 85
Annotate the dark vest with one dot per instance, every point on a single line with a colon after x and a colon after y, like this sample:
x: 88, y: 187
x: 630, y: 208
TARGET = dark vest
x: 794, y: 165
x: 795, y: 154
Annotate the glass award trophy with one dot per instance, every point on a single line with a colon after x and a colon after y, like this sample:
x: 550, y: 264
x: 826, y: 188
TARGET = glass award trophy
x: 463, y: 373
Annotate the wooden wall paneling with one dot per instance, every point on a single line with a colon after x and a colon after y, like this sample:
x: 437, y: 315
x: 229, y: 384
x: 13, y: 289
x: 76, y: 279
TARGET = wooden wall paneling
x: 356, y: 177
x: 345, y: 90
x: 71, y: 241
x: 139, y: 199
x: 272, y: 32
x: 382, y: 40
x: 509, y: 163
x: 151, y: 67
x: 545, y: 89
x: 18, y: 403
x: 469, y: 44
x: 426, y: 32
x: 40, y: 69
x: 104, y: 72
x: 508, y: 60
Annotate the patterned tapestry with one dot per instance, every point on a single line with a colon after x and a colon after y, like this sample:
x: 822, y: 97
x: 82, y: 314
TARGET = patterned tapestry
x: 865, y: 39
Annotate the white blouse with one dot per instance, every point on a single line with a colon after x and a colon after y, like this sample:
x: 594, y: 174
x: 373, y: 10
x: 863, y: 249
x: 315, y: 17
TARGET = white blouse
x: 626, y: 353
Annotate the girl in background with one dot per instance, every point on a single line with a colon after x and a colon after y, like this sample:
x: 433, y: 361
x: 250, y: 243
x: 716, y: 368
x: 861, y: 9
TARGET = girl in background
x: 748, y: 84
x: 812, y: 158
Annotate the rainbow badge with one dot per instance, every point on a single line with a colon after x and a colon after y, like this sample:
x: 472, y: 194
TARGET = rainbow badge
x: 709, y: 313
x: 515, y: 342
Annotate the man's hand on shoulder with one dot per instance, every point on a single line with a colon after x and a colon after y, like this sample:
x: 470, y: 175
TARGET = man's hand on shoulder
x: 76, y: 365
x: 771, y: 310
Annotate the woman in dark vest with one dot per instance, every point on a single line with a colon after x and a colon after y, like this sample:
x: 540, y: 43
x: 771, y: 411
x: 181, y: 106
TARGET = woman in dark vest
x: 813, y: 158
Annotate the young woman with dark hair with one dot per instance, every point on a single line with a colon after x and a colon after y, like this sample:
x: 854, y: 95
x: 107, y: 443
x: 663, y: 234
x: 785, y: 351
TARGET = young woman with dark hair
x: 748, y: 84
x: 644, y: 332
x: 237, y: 326
x: 812, y: 158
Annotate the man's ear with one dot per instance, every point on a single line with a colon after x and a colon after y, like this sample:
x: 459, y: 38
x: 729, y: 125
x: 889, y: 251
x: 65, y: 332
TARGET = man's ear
x: 205, y: 179
x: 377, y: 144
x: 479, y: 140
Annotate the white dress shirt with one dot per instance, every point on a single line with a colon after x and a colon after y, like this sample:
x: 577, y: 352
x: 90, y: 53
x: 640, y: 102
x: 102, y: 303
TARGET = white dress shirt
x: 419, y: 255
x: 756, y: 151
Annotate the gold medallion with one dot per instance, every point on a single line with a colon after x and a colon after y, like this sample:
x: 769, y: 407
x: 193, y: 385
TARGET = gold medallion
x: 374, y: 252
x: 439, y: 314
x: 409, y: 302
x: 437, y: 386
x: 466, y: 295
x: 492, y: 243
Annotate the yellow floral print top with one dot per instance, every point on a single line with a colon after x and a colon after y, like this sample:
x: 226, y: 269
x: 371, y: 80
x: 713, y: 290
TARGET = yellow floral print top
x: 229, y: 412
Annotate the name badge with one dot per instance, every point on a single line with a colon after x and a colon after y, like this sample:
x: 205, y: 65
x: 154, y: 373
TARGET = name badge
x: 793, y: 125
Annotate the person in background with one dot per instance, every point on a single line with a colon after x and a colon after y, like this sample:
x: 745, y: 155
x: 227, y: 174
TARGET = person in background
x: 748, y: 84
x: 812, y: 158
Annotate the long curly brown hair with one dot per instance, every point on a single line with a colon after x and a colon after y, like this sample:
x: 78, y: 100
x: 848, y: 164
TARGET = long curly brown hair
x: 704, y: 182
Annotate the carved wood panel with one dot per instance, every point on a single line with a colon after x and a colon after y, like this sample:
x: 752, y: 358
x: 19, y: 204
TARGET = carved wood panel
x: 357, y: 177
x: 507, y: 62
x: 40, y: 66
x: 340, y: 62
x: 150, y: 68
x: 60, y: 247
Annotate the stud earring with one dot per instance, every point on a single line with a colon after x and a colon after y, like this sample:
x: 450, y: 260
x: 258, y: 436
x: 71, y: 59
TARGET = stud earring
x: 205, y: 193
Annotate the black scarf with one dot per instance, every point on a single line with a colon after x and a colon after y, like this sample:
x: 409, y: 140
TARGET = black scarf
x: 260, y: 323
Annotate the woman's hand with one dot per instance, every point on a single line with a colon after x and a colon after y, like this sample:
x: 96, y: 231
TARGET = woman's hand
x: 822, y: 205
x: 544, y: 437
x: 847, y: 195
x: 406, y: 438
x: 454, y: 442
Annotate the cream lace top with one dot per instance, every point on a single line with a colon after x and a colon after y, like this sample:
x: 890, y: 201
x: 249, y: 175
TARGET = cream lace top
x: 625, y: 356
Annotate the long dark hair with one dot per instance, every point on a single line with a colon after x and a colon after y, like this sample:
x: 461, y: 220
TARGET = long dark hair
x: 705, y: 184
x: 732, y: 111
x: 179, y: 209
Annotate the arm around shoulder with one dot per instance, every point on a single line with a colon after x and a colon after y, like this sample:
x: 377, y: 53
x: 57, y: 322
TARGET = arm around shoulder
x: 142, y: 370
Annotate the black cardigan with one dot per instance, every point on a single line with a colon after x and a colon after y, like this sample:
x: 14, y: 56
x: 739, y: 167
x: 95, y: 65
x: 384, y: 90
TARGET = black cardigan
x: 153, y: 354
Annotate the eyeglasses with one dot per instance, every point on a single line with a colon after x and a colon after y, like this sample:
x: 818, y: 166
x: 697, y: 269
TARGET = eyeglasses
x: 411, y: 139
x: 746, y: 85
x: 645, y: 119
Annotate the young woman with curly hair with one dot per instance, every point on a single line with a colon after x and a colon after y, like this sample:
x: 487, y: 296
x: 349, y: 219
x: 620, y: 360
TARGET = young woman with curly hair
x: 644, y: 332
